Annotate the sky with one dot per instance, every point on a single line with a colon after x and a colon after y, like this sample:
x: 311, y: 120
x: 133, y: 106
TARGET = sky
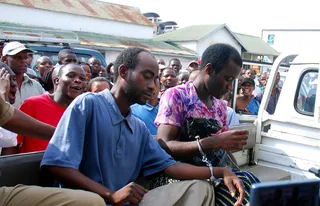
x: 242, y: 16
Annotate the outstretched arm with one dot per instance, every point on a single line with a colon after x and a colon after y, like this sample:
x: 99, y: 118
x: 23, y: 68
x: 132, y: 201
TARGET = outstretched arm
x: 185, y: 171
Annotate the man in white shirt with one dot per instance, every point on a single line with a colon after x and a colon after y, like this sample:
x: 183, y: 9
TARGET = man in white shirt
x: 15, y: 55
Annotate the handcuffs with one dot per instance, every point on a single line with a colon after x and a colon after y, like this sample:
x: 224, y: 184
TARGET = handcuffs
x: 205, y: 160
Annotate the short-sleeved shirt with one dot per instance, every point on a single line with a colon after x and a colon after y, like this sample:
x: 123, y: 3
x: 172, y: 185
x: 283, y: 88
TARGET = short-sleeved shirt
x: 271, y: 108
x: 29, y: 88
x: 6, y: 111
x: 147, y: 113
x: 94, y: 138
x: 44, y: 109
x: 181, y: 102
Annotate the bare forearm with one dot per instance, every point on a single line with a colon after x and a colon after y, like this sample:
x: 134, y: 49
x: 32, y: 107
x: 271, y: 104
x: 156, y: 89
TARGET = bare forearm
x: 23, y: 124
x: 183, y: 171
x: 75, y: 179
x: 180, y: 150
x: 186, y: 150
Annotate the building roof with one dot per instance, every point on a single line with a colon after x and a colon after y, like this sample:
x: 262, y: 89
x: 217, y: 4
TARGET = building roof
x: 151, y: 14
x: 103, y: 42
x: 190, y: 33
x: 90, y: 8
x: 251, y: 44
x: 195, y: 33
x: 256, y: 45
x: 167, y: 23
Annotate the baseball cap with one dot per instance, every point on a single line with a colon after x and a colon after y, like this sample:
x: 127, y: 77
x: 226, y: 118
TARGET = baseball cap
x: 193, y: 62
x: 162, y: 67
x: 13, y: 48
x: 248, y: 80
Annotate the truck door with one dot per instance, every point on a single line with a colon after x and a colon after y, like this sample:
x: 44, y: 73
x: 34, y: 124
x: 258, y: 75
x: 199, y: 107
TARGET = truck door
x: 289, y: 139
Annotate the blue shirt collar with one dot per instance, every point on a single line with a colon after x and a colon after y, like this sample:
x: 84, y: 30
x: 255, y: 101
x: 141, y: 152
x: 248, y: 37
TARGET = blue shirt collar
x: 149, y: 107
x: 115, y: 114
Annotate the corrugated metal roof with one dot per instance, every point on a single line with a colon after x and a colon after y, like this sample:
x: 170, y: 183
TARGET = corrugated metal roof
x: 122, y: 43
x: 190, y: 33
x: 91, y: 8
x: 256, y: 45
x: 106, y: 41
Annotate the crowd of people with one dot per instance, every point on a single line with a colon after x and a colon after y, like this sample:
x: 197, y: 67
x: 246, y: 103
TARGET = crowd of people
x: 137, y: 117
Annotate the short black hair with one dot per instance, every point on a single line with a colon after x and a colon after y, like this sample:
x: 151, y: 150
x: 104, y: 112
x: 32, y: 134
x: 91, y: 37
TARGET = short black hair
x: 174, y: 59
x: 64, y: 66
x: 219, y: 55
x: 108, y: 69
x: 168, y: 68
x: 97, y: 79
x: 129, y: 58
x: 47, y: 80
x: 65, y: 52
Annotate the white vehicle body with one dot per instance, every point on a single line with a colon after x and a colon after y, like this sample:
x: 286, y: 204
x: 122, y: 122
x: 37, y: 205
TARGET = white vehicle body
x: 290, y: 146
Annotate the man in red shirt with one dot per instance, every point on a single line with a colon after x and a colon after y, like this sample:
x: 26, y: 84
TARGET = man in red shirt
x: 49, y: 108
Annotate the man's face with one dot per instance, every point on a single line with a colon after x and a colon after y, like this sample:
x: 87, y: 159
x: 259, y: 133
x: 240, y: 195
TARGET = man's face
x: 250, y: 74
x: 103, y: 72
x: 175, y: 65
x: 263, y: 80
x: 219, y: 84
x: 243, y: 72
x: 161, y: 61
x: 169, y: 78
x: 87, y: 70
x: 247, y: 89
x: 141, y: 81
x: 99, y: 86
x: 95, y: 66
x: 30, y: 59
x: 69, y: 58
x: 112, y: 73
x: 44, y: 63
x: 72, y: 81
x: 18, y: 62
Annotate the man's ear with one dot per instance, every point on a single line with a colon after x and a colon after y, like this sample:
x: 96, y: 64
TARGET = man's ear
x: 56, y: 81
x: 123, y: 71
x: 4, y: 59
x: 209, y: 69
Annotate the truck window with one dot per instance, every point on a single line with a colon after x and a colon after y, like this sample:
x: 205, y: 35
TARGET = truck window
x: 54, y: 57
x: 306, y: 93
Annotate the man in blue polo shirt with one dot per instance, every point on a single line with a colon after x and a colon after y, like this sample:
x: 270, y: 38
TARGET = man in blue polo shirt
x: 100, y: 146
x: 148, y: 112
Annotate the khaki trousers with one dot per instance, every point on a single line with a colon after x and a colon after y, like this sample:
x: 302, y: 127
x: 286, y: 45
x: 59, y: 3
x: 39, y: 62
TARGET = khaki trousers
x: 44, y: 196
x: 184, y: 193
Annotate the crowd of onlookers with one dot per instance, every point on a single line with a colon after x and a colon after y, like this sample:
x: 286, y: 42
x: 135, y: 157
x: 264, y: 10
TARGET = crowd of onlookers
x: 164, y: 101
x: 45, y: 91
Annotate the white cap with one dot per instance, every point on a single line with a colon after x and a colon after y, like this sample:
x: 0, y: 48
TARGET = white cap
x: 13, y: 48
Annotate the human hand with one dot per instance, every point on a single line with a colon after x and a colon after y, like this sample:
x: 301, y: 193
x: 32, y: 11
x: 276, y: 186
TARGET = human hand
x: 234, y: 185
x: 4, y: 83
x: 228, y: 140
x: 132, y: 193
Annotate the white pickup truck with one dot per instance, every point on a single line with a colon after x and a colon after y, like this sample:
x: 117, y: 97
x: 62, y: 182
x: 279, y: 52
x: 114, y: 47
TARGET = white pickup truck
x: 285, y: 145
